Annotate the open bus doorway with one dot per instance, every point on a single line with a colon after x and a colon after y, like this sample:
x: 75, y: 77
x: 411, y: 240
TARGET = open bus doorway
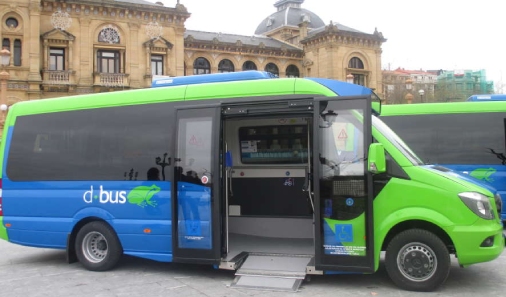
x: 269, y: 210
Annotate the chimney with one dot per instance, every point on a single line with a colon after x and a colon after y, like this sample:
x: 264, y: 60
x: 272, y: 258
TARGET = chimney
x: 303, y: 30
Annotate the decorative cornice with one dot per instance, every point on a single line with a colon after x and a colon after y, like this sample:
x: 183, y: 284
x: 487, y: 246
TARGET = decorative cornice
x: 215, y: 44
x: 166, y: 16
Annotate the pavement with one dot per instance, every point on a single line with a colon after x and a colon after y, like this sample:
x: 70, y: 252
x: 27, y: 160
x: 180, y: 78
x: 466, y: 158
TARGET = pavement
x: 27, y: 271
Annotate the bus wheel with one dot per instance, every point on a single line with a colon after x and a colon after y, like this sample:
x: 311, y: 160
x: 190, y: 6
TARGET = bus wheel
x: 417, y: 260
x: 97, y: 246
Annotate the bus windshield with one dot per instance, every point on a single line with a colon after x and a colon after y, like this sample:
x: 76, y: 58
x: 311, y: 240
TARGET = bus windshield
x: 396, y: 140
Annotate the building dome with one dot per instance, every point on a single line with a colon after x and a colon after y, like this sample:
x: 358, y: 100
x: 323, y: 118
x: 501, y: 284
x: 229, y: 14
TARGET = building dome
x: 289, y: 14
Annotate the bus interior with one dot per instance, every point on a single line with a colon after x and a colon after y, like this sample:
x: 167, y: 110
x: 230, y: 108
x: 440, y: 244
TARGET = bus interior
x: 268, y: 209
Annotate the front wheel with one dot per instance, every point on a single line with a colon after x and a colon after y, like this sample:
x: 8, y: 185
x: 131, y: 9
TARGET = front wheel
x: 417, y: 260
x: 97, y: 246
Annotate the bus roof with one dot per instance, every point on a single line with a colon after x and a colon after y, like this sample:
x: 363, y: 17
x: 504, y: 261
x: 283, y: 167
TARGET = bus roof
x: 342, y: 88
x: 441, y: 108
x: 197, y: 87
x: 230, y: 89
x: 210, y: 78
x: 487, y: 97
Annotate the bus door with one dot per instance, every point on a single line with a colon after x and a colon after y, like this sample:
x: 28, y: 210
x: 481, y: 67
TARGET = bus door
x: 196, y: 203
x: 342, y: 185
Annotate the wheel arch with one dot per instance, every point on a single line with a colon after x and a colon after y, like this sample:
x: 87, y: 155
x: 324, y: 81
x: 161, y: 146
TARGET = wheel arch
x: 71, y: 237
x: 419, y: 224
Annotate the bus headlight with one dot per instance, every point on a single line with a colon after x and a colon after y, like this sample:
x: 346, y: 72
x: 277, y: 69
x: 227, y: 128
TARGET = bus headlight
x: 478, y: 203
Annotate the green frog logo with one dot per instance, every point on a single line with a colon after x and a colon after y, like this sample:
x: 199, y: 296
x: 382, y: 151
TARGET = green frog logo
x: 142, y: 195
x: 483, y: 174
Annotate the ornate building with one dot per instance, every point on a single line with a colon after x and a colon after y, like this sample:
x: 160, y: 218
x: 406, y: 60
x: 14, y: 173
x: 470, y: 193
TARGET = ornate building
x: 68, y: 47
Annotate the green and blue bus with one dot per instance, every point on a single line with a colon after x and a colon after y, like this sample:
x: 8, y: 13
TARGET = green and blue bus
x: 272, y: 177
x: 467, y: 137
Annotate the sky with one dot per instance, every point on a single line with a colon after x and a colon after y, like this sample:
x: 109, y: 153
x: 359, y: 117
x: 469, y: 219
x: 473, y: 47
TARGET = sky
x: 427, y: 35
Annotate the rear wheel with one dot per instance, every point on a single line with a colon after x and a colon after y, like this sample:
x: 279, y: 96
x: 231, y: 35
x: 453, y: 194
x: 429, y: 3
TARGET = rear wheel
x: 97, y: 246
x: 417, y: 260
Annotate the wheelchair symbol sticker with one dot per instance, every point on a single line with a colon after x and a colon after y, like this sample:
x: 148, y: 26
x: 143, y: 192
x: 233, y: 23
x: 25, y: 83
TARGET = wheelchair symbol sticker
x: 344, y: 233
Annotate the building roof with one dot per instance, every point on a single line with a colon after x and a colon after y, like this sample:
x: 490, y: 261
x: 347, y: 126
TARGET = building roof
x: 411, y: 72
x: 289, y: 16
x: 254, y: 40
x: 340, y: 27
x: 143, y: 2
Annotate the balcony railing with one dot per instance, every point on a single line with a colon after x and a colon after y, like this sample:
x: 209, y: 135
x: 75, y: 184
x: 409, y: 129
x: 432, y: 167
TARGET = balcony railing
x: 57, y: 77
x: 112, y: 80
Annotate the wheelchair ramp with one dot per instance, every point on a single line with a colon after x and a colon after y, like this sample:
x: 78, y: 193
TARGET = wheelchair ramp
x: 273, y: 272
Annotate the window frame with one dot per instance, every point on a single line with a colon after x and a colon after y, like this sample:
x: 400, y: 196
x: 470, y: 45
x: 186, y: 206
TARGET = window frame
x: 56, y: 56
x: 201, y: 66
x: 157, y: 64
x: 116, y: 59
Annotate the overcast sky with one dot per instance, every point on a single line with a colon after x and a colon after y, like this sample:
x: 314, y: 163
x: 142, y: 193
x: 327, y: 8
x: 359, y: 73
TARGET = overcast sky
x: 427, y: 34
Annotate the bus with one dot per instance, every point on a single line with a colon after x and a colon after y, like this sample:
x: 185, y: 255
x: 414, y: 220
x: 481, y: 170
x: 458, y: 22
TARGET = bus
x: 487, y: 97
x: 468, y: 137
x: 273, y: 178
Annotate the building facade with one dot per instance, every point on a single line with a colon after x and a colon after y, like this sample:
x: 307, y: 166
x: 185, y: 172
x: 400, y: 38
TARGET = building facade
x: 409, y: 86
x: 458, y: 85
x: 61, y: 48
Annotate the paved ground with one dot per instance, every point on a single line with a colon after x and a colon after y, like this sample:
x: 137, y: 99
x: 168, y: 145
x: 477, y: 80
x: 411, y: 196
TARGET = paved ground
x: 30, y: 272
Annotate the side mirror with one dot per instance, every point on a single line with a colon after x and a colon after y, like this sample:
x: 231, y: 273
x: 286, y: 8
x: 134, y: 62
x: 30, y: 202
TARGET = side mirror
x: 376, y: 107
x: 376, y: 161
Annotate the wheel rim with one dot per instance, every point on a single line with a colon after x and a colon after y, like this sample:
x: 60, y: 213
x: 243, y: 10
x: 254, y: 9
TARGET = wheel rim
x: 94, y: 247
x: 417, y: 262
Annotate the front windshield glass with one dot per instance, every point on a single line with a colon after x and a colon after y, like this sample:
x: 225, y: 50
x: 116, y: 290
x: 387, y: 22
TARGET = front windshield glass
x: 396, y: 140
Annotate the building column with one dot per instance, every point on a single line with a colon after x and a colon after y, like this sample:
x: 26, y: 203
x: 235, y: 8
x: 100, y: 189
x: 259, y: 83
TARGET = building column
x: 148, y: 60
x: 34, y: 46
x: 86, y: 69
x: 46, y: 55
x: 72, y: 61
x: 135, y: 55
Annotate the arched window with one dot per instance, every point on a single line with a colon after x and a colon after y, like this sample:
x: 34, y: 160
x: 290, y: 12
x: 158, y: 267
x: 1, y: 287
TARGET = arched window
x: 356, y: 63
x: 109, y: 35
x: 6, y: 43
x: 12, y: 22
x: 225, y: 66
x: 201, y: 66
x: 248, y: 65
x: 272, y: 68
x: 292, y: 71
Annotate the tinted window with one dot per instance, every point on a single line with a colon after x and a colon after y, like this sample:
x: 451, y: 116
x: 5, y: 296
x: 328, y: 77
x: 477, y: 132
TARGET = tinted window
x: 116, y: 143
x: 475, y: 138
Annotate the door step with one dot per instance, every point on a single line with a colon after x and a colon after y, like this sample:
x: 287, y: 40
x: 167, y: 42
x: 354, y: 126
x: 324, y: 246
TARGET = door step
x: 273, y: 272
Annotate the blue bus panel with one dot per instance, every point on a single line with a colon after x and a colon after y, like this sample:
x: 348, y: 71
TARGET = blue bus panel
x: 139, y: 212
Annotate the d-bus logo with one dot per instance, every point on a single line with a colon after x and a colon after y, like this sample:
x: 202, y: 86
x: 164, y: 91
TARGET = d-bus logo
x: 140, y: 196
x: 104, y: 196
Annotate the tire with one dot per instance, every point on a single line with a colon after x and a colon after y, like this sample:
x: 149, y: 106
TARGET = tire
x: 97, y: 246
x: 428, y: 253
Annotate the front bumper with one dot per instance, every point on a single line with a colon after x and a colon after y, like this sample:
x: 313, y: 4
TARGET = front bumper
x: 468, y: 241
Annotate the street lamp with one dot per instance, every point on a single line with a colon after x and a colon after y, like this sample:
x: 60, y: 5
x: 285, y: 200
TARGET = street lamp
x: 421, y: 92
x: 349, y: 78
x: 5, y: 56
